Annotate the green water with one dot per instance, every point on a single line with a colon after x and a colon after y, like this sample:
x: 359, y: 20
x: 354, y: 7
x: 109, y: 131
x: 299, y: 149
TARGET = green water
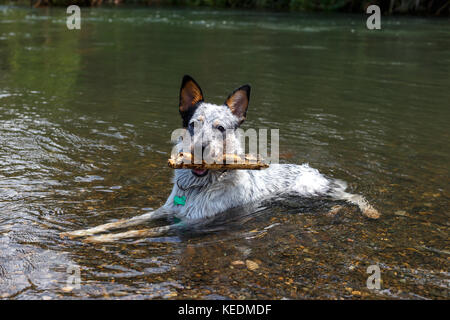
x: 85, y: 123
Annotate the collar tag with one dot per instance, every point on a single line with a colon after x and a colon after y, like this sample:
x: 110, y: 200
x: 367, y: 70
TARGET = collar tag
x: 179, y: 200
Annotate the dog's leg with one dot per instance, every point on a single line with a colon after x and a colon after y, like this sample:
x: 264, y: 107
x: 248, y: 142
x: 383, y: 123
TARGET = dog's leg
x: 339, y: 193
x: 152, y: 232
x: 362, y: 203
x: 123, y: 223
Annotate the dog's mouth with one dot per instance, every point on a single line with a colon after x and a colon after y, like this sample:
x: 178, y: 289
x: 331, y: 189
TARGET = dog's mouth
x: 200, y: 172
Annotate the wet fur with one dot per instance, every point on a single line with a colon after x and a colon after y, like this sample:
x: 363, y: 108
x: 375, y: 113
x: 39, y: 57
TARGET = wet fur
x: 217, y: 192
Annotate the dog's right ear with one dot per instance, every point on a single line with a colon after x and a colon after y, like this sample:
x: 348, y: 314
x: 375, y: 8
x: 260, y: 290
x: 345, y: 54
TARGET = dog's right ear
x: 190, y: 96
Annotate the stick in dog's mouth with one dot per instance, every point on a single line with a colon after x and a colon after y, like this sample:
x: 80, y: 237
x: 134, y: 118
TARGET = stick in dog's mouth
x: 248, y: 162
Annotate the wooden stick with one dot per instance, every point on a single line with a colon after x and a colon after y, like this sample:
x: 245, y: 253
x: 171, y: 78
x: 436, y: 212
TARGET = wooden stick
x: 230, y: 161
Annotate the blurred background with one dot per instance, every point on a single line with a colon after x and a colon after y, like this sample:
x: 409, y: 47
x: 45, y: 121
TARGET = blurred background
x: 422, y: 7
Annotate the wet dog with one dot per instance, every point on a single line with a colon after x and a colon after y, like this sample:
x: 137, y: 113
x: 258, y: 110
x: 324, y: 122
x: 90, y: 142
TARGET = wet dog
x: 199, y: 195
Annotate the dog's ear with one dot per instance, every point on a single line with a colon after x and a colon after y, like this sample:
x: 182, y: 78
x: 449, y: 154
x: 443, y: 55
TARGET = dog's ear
x: 238, y: 102
x: 190, y: 95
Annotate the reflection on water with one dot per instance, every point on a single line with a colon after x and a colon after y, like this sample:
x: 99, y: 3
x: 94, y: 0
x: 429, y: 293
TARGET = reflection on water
x: 86, y: 118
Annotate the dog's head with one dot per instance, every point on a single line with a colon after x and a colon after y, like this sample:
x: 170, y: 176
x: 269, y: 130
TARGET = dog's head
x: 212, y: 128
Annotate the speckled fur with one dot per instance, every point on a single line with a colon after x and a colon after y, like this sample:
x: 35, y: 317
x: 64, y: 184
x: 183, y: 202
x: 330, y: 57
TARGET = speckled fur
x: 217, y: 192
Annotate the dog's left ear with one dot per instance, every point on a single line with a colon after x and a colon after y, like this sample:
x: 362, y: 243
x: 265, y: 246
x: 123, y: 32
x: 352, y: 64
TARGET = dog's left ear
x: 238, y: 102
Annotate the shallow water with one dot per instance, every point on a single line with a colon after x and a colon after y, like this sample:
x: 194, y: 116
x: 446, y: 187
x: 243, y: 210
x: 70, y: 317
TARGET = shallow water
x: 86, y: 118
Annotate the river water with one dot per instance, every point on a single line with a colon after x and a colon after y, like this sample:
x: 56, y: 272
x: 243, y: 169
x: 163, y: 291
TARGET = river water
x: 85, y: 123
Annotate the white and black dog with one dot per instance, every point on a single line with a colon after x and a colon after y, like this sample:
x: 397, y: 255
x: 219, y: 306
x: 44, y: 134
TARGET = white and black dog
x: 207, y: 193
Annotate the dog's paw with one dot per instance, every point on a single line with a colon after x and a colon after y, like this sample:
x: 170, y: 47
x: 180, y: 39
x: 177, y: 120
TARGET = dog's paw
x: 64, y: 235
x: 371, y: 213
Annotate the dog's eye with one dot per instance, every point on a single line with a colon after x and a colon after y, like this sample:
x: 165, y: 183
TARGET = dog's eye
x: 221, y: 129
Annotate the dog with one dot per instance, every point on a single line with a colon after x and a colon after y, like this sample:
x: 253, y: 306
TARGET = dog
x: 199, y: 195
